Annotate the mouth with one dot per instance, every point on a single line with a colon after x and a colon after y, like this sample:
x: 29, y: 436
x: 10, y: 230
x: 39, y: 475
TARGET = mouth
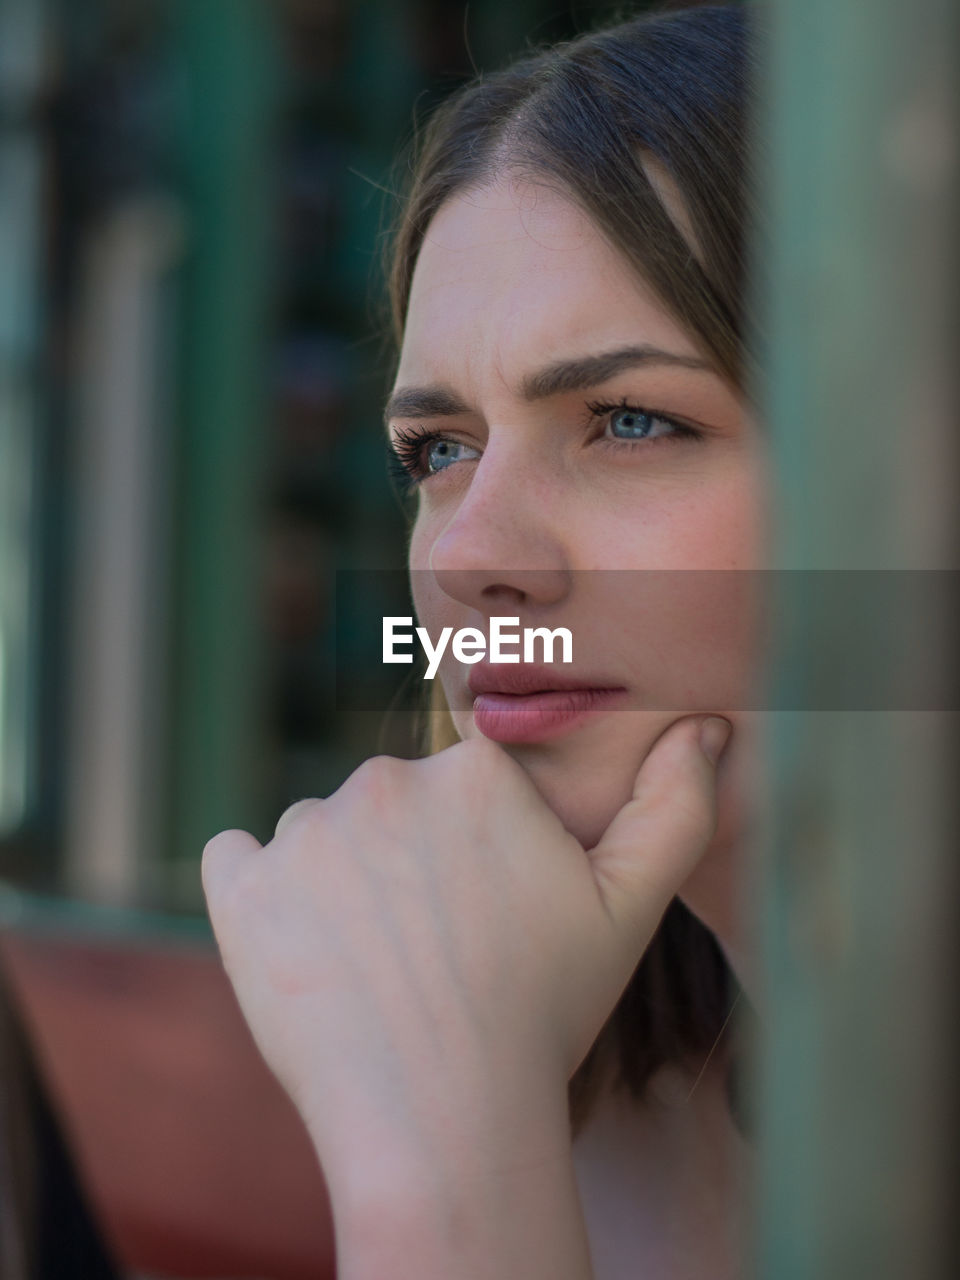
x: 533, y: 704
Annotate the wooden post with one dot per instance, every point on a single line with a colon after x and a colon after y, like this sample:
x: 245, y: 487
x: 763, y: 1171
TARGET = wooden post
x: 857, y: 159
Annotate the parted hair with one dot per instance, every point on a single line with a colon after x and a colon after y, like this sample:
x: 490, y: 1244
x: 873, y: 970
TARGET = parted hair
x: 587, y: 116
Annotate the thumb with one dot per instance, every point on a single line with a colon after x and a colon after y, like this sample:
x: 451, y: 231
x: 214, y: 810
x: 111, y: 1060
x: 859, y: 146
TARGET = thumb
x: 653, y: 844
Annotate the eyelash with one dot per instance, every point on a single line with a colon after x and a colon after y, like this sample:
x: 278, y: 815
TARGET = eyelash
x: 405, y: 452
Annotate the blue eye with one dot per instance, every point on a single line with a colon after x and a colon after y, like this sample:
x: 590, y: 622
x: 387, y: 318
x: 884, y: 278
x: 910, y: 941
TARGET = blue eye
x: 633, y: 425
x: 629, y: 423
x: 416, y: 453
x: 441, y: 453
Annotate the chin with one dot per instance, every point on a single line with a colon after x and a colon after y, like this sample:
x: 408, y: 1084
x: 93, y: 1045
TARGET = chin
x: 586, y: 777
x: 585, y: 791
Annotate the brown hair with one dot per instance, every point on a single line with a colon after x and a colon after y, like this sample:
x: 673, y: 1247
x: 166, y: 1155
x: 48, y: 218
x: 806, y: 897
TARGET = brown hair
x: 589, y: 115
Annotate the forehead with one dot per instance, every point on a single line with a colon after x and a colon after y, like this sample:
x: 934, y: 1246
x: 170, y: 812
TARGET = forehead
x: 515, y: 272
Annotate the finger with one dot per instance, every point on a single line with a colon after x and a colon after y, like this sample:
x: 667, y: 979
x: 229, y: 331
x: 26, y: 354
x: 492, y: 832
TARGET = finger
x: 222, y: 855
x: 288, y: 815
x: 655, y: 841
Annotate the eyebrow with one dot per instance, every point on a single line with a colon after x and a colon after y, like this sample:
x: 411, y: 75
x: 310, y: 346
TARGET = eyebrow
x: 577, y: 374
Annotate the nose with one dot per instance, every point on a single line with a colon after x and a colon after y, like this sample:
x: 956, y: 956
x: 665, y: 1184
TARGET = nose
x: 504, y: 546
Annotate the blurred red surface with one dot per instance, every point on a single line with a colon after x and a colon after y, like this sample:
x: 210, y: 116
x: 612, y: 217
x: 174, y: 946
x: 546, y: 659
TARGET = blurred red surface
x: 193, y: 1158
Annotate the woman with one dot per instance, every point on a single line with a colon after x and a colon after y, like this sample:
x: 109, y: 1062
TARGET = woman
x: 451, y: 959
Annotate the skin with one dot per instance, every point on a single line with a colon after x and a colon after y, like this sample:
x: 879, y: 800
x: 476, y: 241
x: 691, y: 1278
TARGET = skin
x: 425, y: 957
x: 538, y: 511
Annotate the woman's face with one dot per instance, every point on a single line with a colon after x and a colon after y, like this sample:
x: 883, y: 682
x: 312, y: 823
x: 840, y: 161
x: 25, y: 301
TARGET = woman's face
x: 560, y: 488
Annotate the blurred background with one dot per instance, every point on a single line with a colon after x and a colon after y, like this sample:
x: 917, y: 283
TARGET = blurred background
x: 192, y: 369
x: 193, y: 362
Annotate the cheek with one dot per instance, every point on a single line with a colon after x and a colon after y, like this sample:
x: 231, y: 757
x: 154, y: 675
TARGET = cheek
x: 686, y: 619
x: 713, y: 525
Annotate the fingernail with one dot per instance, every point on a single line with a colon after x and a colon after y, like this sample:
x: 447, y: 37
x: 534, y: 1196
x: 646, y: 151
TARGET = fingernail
x: 714, y: 735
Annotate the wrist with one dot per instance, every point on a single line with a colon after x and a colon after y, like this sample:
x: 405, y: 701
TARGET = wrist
x: 467, y: 1189
x: 448, y: 1130
x: 513, y: 1221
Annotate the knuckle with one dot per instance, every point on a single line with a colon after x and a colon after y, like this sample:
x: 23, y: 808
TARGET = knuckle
x: 378, y: 781
x: 219, y: 854
x: 294, y: 812
x: 230, y: 888
x: 378, y: 772
x: 482, y: 774
x: 480, y: 754
x: 488, y: 768
x: 218, y: 843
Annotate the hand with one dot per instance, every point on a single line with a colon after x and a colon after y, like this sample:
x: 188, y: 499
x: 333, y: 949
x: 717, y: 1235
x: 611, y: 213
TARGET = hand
x: 430, y: 943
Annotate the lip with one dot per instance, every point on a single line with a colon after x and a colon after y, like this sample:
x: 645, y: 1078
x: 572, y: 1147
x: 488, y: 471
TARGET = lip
x: 531, y: 704
x: 527, y: 678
